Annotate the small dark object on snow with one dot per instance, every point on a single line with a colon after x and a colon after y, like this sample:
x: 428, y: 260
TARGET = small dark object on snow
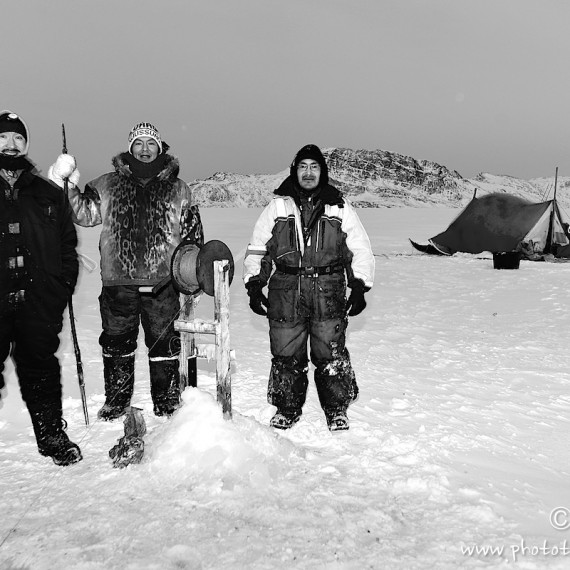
x: 130, y: 448
x: 430, y: 248
x: 506, y: 260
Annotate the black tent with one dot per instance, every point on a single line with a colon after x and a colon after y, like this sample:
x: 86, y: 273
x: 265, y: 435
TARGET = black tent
x: 504, y: 223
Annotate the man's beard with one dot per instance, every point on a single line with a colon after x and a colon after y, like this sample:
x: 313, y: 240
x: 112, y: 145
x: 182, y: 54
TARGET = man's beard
x: 9, y: 162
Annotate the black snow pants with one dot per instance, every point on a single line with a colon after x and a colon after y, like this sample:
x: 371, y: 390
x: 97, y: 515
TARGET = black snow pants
x: 123, y: 309
x: 334, y: 376
x: 29, y: 331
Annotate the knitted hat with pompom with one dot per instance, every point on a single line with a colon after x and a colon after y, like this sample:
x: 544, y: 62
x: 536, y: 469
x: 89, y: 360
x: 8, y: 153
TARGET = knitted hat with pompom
x: 145, y: 130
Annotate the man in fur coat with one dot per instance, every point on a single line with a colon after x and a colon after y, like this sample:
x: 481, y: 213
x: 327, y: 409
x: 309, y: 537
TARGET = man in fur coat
x: 307, y: 245
x: 39, y: 270
x: 146, y: 211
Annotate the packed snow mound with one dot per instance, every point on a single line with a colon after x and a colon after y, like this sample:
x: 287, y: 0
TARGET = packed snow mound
x: 198, y: 446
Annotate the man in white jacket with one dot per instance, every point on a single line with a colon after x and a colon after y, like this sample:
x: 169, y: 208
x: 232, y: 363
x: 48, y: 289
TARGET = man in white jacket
x: 307, y: 246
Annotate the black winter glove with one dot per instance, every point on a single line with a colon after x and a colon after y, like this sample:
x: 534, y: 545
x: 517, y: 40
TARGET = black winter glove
x: 257, y: 300
x: 356, y: 303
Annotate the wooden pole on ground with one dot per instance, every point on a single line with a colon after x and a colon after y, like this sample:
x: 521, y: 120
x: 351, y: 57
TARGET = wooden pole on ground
x: 222, y: 319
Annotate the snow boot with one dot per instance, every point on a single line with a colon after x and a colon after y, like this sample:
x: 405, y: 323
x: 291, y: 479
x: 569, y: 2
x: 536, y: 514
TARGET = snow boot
x: 60, y: 448
x: 165, y: 385
x: 119, y: 372
x: 41, y: 392
x: 285, y: 419
x: 51, y: 438
x: 337, y: 420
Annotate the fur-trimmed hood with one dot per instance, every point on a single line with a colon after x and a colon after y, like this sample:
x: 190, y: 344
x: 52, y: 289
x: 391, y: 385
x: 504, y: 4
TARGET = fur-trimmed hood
x: 165, y: 167
x: 328, y: 194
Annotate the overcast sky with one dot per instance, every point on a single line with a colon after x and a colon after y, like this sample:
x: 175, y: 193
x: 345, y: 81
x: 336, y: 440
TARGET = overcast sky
x: 241, y: 85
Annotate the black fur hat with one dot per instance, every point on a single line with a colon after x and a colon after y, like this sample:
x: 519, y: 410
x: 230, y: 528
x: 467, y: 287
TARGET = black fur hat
x: 313, y: 152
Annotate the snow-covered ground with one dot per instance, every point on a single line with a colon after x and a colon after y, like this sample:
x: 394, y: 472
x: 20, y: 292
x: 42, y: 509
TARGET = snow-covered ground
x: 458, y: 443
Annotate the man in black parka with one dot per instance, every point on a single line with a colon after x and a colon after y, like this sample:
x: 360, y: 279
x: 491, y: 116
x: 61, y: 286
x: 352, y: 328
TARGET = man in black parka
x: 39, y: 271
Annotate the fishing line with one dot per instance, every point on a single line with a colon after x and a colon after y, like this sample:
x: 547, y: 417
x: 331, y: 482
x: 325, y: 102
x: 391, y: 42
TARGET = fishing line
x: 47, y: 484
x: 51, y: 479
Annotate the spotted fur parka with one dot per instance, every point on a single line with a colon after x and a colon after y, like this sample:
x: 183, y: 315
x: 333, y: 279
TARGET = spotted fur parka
x: 143, y: 220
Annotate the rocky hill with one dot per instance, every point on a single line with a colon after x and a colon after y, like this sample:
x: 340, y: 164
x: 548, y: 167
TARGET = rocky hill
x: 378, y: 178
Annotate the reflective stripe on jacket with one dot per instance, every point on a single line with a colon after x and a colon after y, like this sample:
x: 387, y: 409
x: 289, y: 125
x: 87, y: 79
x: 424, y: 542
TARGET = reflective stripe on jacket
x: 337, y: 236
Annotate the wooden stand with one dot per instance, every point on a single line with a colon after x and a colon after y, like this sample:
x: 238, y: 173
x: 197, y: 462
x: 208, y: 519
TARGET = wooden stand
x: 188, y: 368
x: 190, y: 350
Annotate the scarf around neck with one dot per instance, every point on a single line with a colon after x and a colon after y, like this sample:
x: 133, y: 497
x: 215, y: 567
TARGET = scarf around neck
x: 145, y: 169
x: 14, y: 163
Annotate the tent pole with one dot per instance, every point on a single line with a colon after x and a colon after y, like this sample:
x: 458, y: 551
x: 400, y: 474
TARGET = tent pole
x: 549, y: 246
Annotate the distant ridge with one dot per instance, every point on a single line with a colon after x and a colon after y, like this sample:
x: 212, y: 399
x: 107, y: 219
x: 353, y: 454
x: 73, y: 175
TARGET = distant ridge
x: 378, y: 179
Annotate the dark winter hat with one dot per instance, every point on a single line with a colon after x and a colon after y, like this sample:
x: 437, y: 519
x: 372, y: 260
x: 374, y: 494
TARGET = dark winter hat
x: 12, y: 123
x: 145, y: 130
x: 311, y: 152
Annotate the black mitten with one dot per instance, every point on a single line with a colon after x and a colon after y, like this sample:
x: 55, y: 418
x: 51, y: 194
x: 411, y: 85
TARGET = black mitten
x: 356, y: 302
x: 257, y: 300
